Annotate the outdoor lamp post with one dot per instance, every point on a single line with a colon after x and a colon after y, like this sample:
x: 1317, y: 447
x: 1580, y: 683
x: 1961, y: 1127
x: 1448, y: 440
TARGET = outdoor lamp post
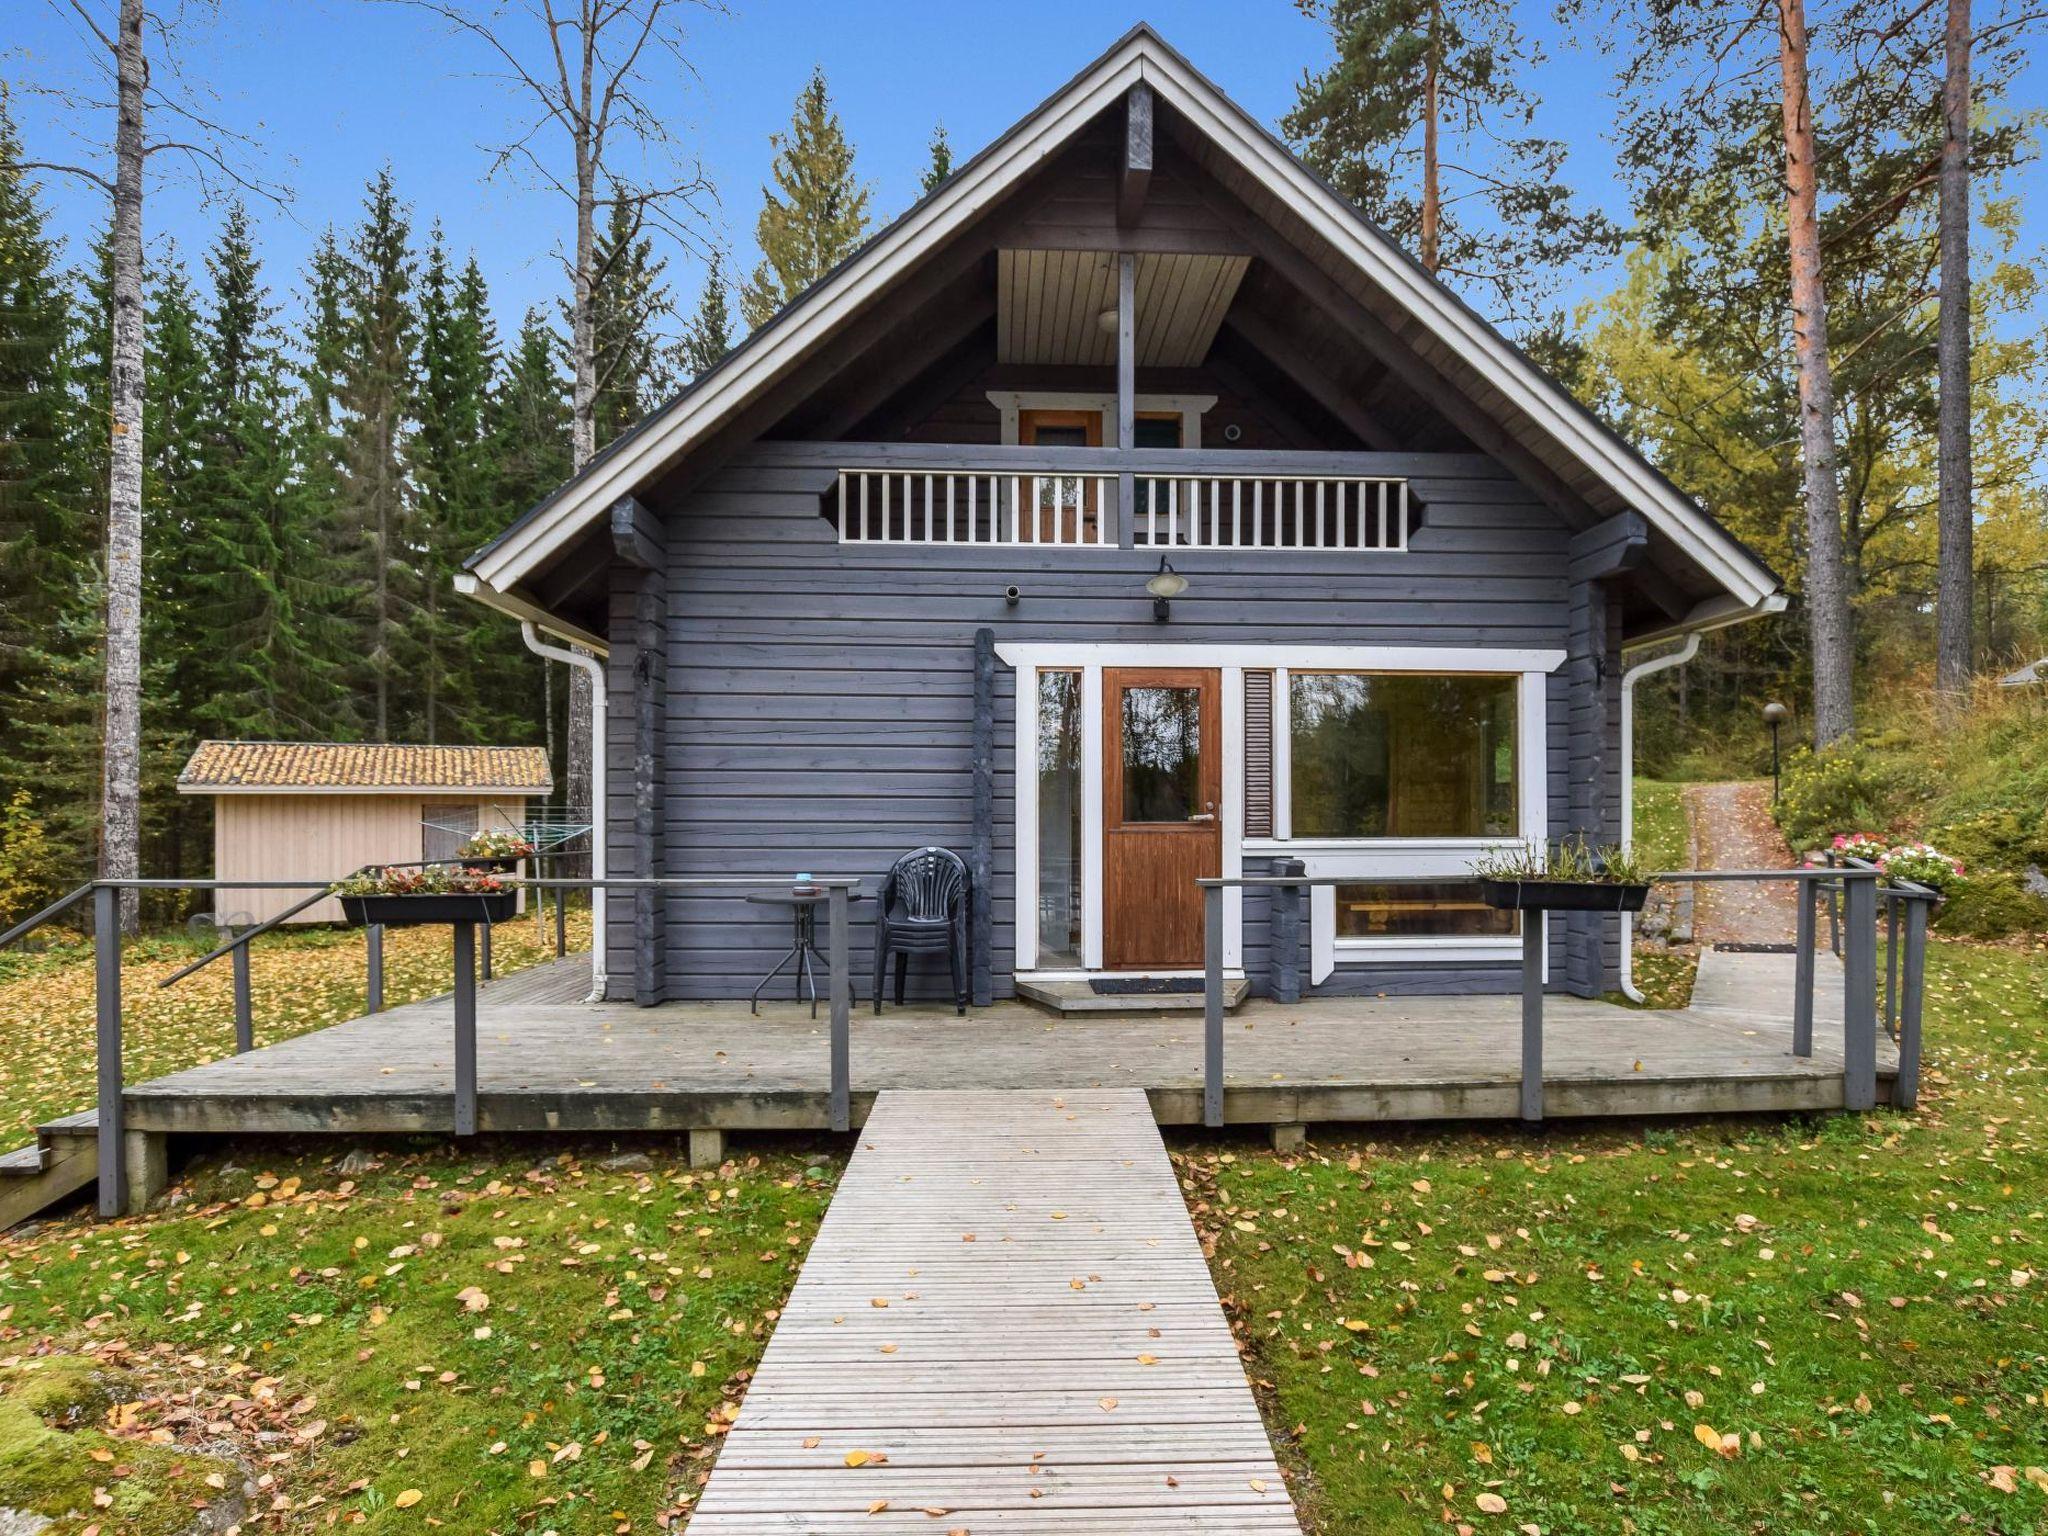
x: 1775, y: 715
x: 1165, y: 586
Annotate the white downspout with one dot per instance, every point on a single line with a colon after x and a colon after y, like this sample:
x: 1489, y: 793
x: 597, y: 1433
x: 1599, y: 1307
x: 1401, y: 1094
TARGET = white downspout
x: 595, y: 668
x: 1629, y: 677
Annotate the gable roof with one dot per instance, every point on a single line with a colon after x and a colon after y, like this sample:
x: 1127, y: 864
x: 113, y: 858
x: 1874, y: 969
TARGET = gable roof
x: 226, y: 767
x: 1474, y: 352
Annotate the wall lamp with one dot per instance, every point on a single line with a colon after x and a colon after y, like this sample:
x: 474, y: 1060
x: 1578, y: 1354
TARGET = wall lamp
x: 1165, y: 586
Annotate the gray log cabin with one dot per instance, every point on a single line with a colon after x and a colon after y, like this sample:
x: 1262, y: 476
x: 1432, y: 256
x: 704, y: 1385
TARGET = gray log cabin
x: 890, y: 575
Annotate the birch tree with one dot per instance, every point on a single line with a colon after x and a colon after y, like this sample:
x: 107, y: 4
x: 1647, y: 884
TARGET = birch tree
x: 121, y: 61
x: 592, y: 131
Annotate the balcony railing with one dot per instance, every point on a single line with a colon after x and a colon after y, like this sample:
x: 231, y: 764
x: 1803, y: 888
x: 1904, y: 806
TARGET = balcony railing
x: 1262, y: 512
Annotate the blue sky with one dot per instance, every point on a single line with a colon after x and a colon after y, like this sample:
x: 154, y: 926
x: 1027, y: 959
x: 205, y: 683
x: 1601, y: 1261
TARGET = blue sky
x: 335, y: 88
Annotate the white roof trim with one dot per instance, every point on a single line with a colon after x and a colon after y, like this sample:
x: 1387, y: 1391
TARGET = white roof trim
x: 1140, y: 56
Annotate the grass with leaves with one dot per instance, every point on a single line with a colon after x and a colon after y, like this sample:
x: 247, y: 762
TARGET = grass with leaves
x: 299, y: 980
x: 514, y: 1338
x: 1741, y: 1325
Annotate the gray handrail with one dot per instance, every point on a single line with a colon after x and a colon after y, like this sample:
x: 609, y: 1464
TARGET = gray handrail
x: 56, y: 908
x: 1860, y: 884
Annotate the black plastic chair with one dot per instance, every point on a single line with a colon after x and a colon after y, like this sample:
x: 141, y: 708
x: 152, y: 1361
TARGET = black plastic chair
x: 930, y: 887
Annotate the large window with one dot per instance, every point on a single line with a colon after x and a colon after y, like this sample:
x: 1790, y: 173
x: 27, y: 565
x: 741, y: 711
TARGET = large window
x: 1404, y: 910
x: 1400, y: 755
x: 1059, y: 818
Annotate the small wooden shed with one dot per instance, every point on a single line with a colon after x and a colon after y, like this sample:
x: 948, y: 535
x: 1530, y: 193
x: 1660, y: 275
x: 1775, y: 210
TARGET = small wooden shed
x: 317, y: 810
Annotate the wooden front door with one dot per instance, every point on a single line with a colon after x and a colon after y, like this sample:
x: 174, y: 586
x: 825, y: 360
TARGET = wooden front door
x: 1162, y: 765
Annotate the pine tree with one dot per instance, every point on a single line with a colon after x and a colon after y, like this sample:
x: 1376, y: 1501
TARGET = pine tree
x: 941, y: 165
x: 375, y: 394
x: 708, y: 335
x: 1406, y: 74
x: 817, y: 214
x: 628, y: 301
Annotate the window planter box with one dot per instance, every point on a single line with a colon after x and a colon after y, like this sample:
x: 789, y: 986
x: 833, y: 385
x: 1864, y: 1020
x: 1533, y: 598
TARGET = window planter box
x: 427, y: 910
x: 1562, y: 896
x: 500, y: 864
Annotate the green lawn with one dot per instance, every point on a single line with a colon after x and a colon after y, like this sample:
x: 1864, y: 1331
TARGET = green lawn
x: 1514, y: 1331
x: 1660, y: 831
x: 517, y: 1339
x: 299, y: 980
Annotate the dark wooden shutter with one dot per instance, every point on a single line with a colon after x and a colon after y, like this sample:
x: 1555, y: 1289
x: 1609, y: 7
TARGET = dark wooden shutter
x: 1258, y: 754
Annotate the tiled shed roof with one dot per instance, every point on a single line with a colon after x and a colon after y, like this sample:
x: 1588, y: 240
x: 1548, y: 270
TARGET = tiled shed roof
x: 290, y: 765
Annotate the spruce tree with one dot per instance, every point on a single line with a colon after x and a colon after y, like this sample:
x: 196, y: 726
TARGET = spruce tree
x: 450, y: 457
x: 816, y: 214
x: 1494, y: 217
x: 46, y: 531
x: 628, y: 302
x: 707, y: 337
x: 375, y: 393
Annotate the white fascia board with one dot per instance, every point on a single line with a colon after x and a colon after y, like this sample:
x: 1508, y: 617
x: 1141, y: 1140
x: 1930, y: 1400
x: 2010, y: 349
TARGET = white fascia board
x: 1309, y: 658
x: 958, y: 202
x: 519, y: 608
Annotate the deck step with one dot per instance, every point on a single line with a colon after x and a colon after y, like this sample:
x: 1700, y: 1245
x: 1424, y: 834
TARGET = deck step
x: 62, y: 1160
x: 1074, y: 998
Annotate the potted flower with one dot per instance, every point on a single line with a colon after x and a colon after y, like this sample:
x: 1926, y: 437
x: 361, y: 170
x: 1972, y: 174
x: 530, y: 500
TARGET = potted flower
x: 1921, y: 864
x: 436, y: 893
x: 496, y: 848
x: 1866, y: 846
x: 1564, y: 877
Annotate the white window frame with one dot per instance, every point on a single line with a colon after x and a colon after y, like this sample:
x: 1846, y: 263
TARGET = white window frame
x: 1361, y: 857
x: 1190, y: 409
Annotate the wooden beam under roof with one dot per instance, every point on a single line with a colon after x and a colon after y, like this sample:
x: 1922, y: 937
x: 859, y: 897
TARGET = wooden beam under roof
x: 1134, y: 175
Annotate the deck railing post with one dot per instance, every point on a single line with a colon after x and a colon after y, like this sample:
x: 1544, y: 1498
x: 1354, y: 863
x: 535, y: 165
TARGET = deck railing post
x: 840, y: 984
x: 465, y: 1029
x: 245, y: 1020
x: 373, y: 1000
x: 1286, y: 904
x: 106, y: 945
x: 1532, y: 1016
x: 1892, y: 902
x: 1834, y: 910
x: 484, y: 944
x: 1859, y: 991
x: 1906, y: 1090
x: 1802, y: 969
x: 561, y: 923
x: 1212, y: 1006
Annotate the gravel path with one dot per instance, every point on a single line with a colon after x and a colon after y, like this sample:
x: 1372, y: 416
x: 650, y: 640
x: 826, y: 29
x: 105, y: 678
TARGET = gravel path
x: 1733, y: 825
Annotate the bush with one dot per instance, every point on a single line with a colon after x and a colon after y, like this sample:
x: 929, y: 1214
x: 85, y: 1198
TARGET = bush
x: 1842, y: 789
x: 28, y: 861
x: 1991, y: 905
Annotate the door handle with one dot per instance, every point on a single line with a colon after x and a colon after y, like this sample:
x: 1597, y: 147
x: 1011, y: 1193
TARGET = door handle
x: 1203, y: 816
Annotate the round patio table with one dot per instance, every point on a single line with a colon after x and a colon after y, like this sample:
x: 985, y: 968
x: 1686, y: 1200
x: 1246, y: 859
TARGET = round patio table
x: 803, y: 947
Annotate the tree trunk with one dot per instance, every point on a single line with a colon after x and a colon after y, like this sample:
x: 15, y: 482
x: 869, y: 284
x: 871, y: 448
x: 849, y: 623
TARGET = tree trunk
x: 1828, y: 617
x: 1955, y: 648
x: 583, y: 418
x: 1432, y: 206
x: 121, y: 752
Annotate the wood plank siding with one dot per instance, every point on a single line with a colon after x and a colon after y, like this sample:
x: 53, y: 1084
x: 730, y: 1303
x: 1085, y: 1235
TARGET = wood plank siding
x: 819, y: 695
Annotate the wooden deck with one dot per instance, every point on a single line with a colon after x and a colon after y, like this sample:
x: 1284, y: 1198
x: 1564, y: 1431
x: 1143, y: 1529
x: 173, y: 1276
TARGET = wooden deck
x: 1007, y: 1322
x: 548, y: 1061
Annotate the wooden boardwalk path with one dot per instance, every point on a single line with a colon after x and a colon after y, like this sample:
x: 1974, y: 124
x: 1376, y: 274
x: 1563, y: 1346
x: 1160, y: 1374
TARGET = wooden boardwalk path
x: 1005, y: 1324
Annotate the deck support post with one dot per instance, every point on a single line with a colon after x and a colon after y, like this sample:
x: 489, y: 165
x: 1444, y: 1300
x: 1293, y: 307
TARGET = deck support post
x: 839, y: 965
x: 982, y: 861
x: 1906, y: 1087
x: 245, y: 1021
x: 1802, y: 975
x: 707, y: 1146
x: 145, y: 1157
x: 465, y: 1029
x: 1212, y: 1006
x: 1289, y: 1138
x: 1532, y: 1016
x: 373, y: 1001
x: 1859, y: 993
x: 106, y: 946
